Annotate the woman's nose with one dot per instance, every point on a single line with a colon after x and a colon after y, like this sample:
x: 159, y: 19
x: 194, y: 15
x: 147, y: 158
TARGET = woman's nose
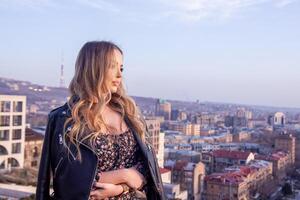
x: 119, y: 73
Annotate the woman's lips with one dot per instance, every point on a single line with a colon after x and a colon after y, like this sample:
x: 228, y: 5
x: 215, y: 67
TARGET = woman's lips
x: 116, y: 83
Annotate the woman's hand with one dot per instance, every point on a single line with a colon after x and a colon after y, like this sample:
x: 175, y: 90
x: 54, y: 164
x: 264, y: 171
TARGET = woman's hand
x: 135, y: 179
x: 107, y: 190
x: 131, y: 176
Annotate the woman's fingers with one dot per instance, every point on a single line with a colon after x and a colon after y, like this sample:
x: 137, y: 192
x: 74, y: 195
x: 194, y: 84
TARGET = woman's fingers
x: 99, y: 185
x: 102, y: 193
x: 95, y: 195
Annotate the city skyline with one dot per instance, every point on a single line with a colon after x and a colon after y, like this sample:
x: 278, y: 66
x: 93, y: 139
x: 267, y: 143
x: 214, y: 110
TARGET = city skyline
x: 238, y: 51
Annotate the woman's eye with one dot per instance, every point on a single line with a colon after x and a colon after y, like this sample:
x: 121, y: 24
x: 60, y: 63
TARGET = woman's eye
x: 122, y: 69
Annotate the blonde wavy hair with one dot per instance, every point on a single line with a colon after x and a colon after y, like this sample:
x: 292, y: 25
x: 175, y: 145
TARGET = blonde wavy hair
x: 92, y: 94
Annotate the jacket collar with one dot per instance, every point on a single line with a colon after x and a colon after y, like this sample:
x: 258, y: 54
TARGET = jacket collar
x: 67, y: 111
x: 142, y: 144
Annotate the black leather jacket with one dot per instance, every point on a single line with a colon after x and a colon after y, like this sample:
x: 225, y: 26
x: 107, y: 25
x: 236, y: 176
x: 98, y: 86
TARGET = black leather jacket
x: 72, y: 180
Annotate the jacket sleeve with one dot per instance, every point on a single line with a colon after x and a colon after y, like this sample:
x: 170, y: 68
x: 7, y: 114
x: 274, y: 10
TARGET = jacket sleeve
x: 158, y: 174
x: 43, y: 183
x: 141, y: 167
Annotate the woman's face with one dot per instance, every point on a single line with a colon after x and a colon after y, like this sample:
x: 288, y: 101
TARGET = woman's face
x: 114, y: 74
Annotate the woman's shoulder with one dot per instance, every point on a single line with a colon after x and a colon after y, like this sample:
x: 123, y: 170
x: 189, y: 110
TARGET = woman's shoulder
x: 60, y: 111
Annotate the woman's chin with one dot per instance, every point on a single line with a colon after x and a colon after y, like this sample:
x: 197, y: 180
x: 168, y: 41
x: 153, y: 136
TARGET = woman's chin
x: 113, y: 90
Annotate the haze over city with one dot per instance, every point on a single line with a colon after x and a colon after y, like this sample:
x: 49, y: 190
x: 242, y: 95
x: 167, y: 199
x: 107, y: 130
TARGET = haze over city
x: 224, y: 51
x: 213, y: 113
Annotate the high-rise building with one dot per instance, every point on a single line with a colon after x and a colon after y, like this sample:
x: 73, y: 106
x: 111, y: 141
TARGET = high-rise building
x: 184, y: 127
x: 163, y: 108
x: 286, y: 142
x: 153, y: 132
x: 12, y: 131
x: 156, y: 138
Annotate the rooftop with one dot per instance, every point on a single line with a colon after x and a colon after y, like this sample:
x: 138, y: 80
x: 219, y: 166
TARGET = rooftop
x: 31, y: 135
x: 231, y: 154
x: 227, y: 178
x: 164, y: 170
x: 272, y: 157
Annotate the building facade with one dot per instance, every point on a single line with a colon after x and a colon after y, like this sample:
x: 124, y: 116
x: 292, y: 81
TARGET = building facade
x: 12, y: 131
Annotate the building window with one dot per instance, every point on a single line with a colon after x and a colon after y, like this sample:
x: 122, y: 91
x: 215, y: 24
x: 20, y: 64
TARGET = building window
x: 5, y: 106
x: 17, y: 106
x: 17, y: 120
x: 33, y: 163
x: 35, y: 152
x: 4, y: 135
x: 4, y: 120
x: 17, y: 134
x: 16, y: 148
x: 3, y: 150
x: 14, y: 162
x: 2, y: 166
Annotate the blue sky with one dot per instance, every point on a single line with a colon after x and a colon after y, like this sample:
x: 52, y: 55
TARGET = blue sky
x: 240, y: 51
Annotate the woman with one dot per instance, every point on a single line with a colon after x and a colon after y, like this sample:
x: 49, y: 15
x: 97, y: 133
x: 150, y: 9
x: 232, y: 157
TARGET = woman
x: 95, y: 144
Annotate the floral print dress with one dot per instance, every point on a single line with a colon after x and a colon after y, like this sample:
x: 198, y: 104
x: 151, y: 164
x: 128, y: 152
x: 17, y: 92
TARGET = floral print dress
x: 116, y: 151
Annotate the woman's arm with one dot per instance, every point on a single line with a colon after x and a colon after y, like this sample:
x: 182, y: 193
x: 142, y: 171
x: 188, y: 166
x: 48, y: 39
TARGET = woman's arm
x: 107, y: 190
x: 43, y: 183
x: 114, y: 176
x: 131, y: 176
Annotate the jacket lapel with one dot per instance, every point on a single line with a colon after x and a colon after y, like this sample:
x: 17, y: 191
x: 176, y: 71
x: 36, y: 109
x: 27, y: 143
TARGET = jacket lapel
x: 142, y: 145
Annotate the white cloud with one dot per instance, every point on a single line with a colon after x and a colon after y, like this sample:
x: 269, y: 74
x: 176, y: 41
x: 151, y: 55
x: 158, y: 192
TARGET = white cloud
x: 283, y: 3
x: 195, y: 10
x: 101, y: 4
x: 34, y: 4
x: 186, y: 10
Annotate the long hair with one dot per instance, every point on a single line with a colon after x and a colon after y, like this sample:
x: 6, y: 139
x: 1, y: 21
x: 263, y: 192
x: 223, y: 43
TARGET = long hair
x: 92, y: 94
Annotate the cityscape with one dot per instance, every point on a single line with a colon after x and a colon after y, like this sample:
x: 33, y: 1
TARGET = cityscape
x: 205, y: 150
x: 216, y: 81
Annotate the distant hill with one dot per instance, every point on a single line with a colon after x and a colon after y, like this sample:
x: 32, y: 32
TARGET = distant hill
x: 34, y: 92
x: 55, y: 96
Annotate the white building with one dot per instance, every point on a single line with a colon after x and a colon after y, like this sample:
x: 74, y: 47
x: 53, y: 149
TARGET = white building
x: 173, y: 191
x: 12, y: 131
x: 166, y: 175
x: 161, y: 149
x: 205, y: 147
x: 279, y: 119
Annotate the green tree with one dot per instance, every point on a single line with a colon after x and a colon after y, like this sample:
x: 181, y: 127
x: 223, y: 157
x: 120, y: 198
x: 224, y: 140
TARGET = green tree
x: 287, y: 189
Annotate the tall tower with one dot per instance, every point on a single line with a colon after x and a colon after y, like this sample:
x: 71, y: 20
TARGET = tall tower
x: 163, y: 108
x: 62, y: 79
x: 286, y: 142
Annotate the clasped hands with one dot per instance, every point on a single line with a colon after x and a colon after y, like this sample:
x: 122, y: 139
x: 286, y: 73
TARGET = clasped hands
x: 109, y: 182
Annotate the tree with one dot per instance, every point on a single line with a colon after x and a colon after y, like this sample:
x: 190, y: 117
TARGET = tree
x: 287, y: 189
x: 31, y: 197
